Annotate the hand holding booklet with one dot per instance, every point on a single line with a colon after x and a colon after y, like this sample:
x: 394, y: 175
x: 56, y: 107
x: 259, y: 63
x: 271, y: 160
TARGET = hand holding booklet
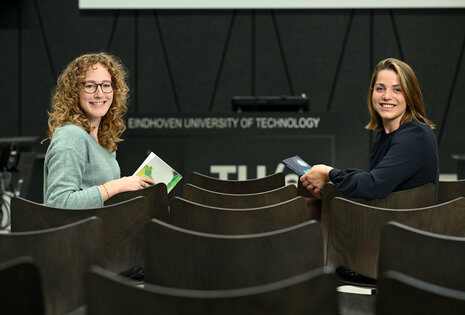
x: 155, y: 168
x: 297, y: 164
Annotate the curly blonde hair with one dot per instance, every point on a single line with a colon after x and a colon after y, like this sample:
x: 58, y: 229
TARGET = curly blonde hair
x: 411, y: 89
x: 65, y: 107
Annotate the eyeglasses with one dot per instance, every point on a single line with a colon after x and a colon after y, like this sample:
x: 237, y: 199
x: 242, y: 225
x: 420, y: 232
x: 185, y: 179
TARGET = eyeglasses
x: 90, y: 87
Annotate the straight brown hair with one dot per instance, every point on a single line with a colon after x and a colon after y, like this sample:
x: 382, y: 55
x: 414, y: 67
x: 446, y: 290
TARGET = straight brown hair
x: 410, y: 88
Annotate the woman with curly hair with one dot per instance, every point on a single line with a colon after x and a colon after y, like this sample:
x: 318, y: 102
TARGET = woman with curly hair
x: 85, y: 123
x: 405, y: 154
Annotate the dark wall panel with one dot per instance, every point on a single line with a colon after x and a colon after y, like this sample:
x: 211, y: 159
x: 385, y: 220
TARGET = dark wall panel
x: 453, y: 127
x: 194, y: 46
x: 270, y: 71
x: 353, y: 77
x: 156, y: 90
x: 234, y: 74
x: 313, y: 43
x: 123, y: 44
x: 431, y: 43
x: 9, y: 63
x: 38, y: 71
x: 195, y: 61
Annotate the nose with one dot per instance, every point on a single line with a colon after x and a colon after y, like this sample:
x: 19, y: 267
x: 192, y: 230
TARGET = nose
x: 387, y: 94
x: 99, y: 91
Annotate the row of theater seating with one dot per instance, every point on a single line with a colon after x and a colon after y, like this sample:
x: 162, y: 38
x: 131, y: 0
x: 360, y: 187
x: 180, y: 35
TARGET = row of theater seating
x: 236, y: 246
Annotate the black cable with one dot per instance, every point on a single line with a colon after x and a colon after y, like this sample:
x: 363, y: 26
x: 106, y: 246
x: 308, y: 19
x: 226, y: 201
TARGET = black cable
x: 2, y: 200
x: 1, y: 207
x: 4, y: 206
x: 5, y: 213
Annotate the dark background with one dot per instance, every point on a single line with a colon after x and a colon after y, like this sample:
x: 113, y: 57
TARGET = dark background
x: 194, y: 61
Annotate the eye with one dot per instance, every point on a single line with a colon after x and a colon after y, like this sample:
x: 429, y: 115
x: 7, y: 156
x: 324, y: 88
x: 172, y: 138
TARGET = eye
x: 378, y: 88
x: 106, y: 85
x: 89, y: 85
x: 397, y: 90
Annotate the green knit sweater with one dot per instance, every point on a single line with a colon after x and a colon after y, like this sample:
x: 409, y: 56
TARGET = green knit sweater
x: 75, y: 164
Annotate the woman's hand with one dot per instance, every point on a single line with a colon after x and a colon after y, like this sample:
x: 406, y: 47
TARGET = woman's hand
x: 127, y: 183
x: 316, y: 178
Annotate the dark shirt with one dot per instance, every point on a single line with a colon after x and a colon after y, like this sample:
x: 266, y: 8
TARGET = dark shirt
x: 400, y: 160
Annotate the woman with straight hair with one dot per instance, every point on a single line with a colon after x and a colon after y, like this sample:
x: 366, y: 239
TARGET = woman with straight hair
x: 405, y: 153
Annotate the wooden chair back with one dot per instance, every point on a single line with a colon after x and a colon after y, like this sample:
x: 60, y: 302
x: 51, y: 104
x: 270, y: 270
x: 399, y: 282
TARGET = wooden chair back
x: 422, y: 196
x: 156, y: 195
x: 63, y: 255
x: 312, y: 292
x: 21, y: 287
x: 182, y: 258
x: 216, y: 199
x: 430, y: 257
x: 405, y: 295
x: 215, y: 220
x: 450, y: 190
x: 123, y: 226
x: 249, y: 186
x: 354, y: 231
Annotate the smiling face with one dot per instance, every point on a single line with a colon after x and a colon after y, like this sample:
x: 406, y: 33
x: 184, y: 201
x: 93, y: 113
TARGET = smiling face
x: 96, y: 105
x: 388, y: 99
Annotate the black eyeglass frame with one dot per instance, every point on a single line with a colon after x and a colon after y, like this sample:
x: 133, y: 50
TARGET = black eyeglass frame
x: 96, y: 86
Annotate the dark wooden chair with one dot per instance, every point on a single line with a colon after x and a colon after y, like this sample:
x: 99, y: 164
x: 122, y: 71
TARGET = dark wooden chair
x: 250, y: 186
x: 21, y: 287
x: 312, y: 292
x: 434, y: 258
x: 63, y: 255
x: 216, y: 199
x: 401, y: 294
x: 354, y: 230
x: 187, y: 259
x: 123, y: 226
x: 208, y: 219
x: 156, y: 195
x: 422, y: 196
x: 450, y: 190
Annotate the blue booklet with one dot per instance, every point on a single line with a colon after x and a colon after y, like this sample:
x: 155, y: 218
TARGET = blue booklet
x: 297, y: 164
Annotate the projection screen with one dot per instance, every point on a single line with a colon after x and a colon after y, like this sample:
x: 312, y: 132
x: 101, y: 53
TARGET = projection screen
x: 268, y: 4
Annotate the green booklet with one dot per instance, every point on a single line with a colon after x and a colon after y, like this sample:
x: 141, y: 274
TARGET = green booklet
x: 155, y: 168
